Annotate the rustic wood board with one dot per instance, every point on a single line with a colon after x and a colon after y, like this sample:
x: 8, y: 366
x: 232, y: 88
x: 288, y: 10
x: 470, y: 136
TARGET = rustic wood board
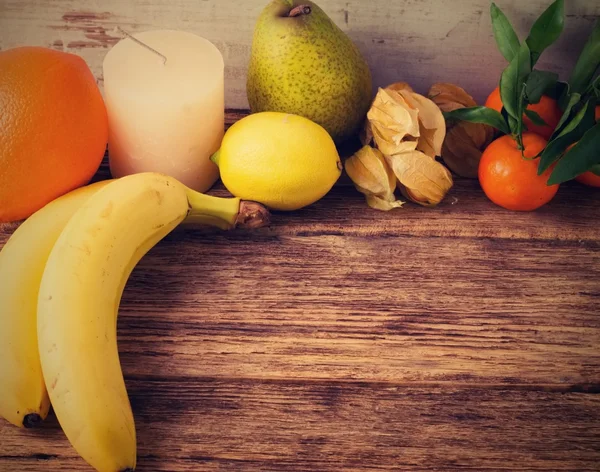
x: 463, y: 337
x: 416, y: 41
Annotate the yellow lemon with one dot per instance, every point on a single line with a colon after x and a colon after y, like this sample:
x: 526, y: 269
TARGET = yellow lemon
x: 281, y: 160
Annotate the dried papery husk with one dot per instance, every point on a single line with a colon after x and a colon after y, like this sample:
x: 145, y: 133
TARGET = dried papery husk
x: 464, y: 142
x: 392, y: 121
x: 400, y: 86
x: 422, y: 179
x: 463, y: 147
x: 432, y: 126
x: 407, y: 131
x: 372, y: 176
x: 449, y: 97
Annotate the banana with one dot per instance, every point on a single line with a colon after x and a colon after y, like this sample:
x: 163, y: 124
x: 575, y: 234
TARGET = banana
x: 24, y: 399
x: 79, y: 299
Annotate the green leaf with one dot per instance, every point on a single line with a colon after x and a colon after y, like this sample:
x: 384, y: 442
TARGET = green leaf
x: 538, y: 83
x: 594, y: 88
x: 573, y: 131
x: 557, y: 90
x: 505, y: 116
x: 483, y: 115
x: 520, y: 126
x: 513, y: 80
x: 573, y: 100
x: 506, y: 38
x: 582, y: 157
x: 547, y: 29
x: 595, y: 169
x: 513, y: 125
x: 587, y: 63
x: 535, y: 118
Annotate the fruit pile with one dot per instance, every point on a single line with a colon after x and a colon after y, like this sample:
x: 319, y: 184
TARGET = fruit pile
x: 64, y: 269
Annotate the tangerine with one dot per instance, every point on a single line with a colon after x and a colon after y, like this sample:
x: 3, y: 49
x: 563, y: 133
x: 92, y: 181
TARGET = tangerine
x: 547, y: 108
x: 511, y: 181
x: 587, y: 178
x: 53, y: 128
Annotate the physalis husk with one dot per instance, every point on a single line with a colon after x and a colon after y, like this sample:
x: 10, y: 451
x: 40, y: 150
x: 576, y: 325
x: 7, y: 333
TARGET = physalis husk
x: 422, y: 179
x: 373, y: 177
x: 409, y: 130
x: 464, y: 141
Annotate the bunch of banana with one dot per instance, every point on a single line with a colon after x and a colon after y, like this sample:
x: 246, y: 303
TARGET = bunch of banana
x: 62, y: 274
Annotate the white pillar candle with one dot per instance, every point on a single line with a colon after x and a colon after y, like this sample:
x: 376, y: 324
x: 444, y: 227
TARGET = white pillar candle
x: 165, y: 116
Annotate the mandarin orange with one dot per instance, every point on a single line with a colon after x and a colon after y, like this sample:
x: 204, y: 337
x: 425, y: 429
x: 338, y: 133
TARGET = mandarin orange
x: 547, y: 108
x: 511, y: 180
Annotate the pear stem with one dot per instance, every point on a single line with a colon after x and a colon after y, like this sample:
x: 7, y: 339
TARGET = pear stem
x: 300, y: 10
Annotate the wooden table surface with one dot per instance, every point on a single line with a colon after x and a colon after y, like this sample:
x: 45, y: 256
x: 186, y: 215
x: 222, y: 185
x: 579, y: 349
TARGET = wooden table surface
x: 463, y: 337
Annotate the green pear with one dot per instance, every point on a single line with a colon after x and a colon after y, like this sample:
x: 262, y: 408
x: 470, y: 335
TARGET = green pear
x: 302, y: 63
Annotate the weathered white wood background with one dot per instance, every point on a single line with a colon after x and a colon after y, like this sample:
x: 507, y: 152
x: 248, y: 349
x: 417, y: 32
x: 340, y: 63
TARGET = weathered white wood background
x: 418, y: 41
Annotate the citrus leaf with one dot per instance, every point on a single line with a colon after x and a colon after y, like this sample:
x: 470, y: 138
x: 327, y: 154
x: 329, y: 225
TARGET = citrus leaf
x: 574, y: 99
x: 594, y: 87
x: 587, y: 63
x: 513, y: 80
x: 538, y: 83
x: 547, y: 29
x: 513, y: 124
x: 505, y: 115
x: 506, y: 38
x: 557, y: 90
x: 519, y: 127
x: 535, y: 118
x: 484, y: 115
x: 573, y: 131
x: 582, y: 157
x: 595, y: 169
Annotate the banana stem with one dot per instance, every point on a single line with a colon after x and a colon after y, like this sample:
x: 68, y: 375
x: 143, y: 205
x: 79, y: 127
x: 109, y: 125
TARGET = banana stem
x: 252, y: 215
x: 207, y: 220
x: 215, y: 211
x: 225, y: 213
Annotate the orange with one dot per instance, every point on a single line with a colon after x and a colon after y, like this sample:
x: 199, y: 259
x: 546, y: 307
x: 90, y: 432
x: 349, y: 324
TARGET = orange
x: 547, y: 108
x: 511, y: 181
x: 589, y: 178
x: 53, y: 128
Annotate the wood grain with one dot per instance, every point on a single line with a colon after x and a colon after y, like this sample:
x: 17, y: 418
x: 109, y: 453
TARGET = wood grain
x: 377, y: 308
x: 463, y: 337
x: 203, y: 424
x: 417, y: 41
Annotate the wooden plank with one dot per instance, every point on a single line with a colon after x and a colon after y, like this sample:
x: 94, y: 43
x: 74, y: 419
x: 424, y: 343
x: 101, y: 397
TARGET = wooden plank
x: 420, y: 42
x: 281, y: 303
x: 460, y: 293
x: 213, y: 425
x: 392, y: 309
x: 464, y: 213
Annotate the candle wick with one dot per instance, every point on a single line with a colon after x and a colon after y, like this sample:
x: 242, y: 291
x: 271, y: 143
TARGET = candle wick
x: 142, y: 44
